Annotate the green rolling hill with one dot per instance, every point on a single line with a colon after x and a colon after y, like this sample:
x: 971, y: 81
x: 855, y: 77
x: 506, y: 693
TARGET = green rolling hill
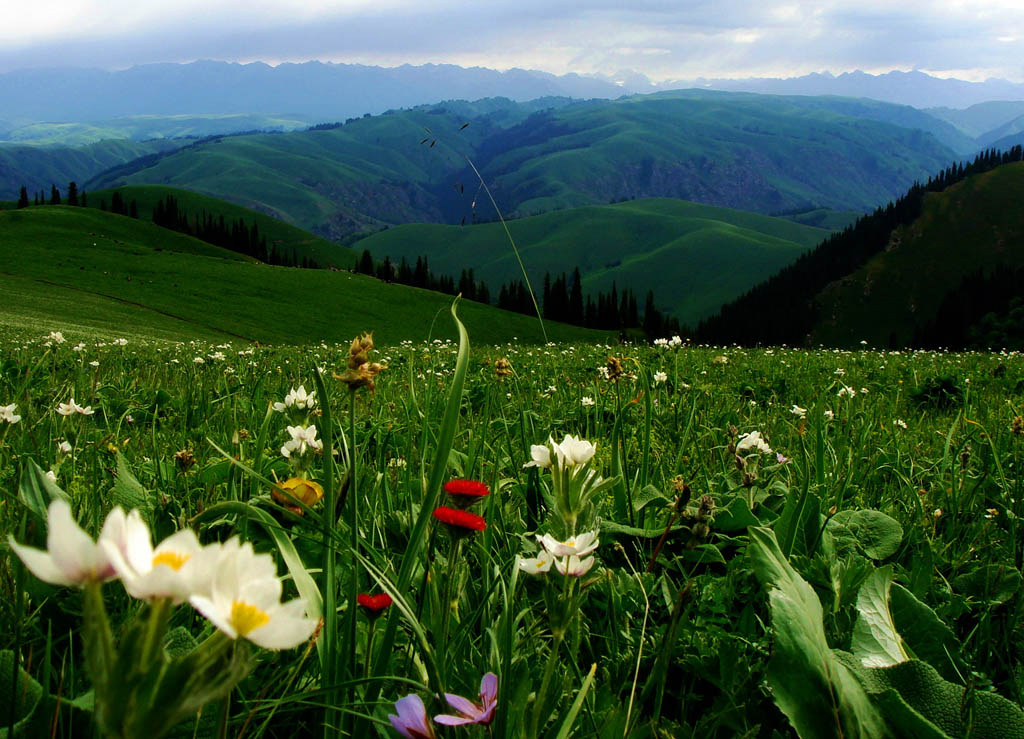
x: 694, y: 257
x: 280, y: 235
x: 82, y: 269
x: 761, y: 153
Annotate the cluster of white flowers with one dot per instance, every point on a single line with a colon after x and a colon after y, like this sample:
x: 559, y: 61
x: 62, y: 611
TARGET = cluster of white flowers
x: 298, y: 399
x: 669, y: 343
x: 57, y: 337
x: 303, y: 439
x: 573, y: 451
x: 798, y: 411
x: 846, y: 392
x: 569, y: 557
x: 899, y: 423
x: 752, y: 442
x: 660, y: 377
x: 228, y: 583
x: 7, y: 413
x: 71, y: 407
x: 586, y: 400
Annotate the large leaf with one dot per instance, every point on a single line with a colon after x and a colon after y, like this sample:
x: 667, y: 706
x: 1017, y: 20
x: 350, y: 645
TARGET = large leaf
x: 818, y: 694
x: 128, y: 491
x: 37, y: 490
x: 872, y: 532
x: 876, y: 642
x: 18, y: 702
x: 993, y: 583
x: 926, y: 635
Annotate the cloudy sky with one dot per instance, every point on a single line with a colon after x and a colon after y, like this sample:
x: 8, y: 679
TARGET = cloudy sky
x: 664, y: 39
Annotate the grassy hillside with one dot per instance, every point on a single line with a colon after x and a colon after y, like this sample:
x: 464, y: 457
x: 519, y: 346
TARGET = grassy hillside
x: 693, y: 256
x: 74, y: 266
x: 38, y: 167
x: 283, y: 236
x: 760, y: 153
x: 974, y: 225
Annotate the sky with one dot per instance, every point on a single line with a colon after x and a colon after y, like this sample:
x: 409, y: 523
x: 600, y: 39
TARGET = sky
x: 663, y: 39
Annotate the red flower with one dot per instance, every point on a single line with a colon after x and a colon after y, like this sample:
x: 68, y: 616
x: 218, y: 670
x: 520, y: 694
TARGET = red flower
x: 456, y: 519
x: 374, y: 604
x: 471, y: 488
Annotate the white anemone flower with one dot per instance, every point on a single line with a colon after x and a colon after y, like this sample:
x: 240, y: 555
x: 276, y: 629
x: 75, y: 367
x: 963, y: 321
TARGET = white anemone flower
x: 574, y: 566
x: 303, y: 438
x: 579, y: 546
x: 753, y: 442
x: 536, y: 565
x: 71, y: 557
x: 71, y: 407
x: 178, y: 568
x: 798, y: 411
x: 541, y: 456
x: 7, y: 413
x: 574, y: 451
x: 660, y: 377
x: 299, y: 399
x: 245, y: 601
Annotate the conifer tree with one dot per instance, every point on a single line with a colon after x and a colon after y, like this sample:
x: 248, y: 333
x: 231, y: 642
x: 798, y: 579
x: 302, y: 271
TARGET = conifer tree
x: 54, y: 195
x: 72, y: 193
x: 23, y: 197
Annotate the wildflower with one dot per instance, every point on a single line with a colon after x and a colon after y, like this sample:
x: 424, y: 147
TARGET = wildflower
x: 459, y: 522
x: 94, y: 363
x: 660, y: 377
x: 245, y: 600
x: 753, y: 442
x: 177, y: 568
x: 829, y: 415
x: 574, y: 545
x: 613, y: 369
x: 574, y: 451
x: 574, y: 566
x: 71, y: 407
x: 469, y: 712
x: 360, y: 372
x: 71, y: 557
x: 781, y: 458
x: 502, y: 367
x: 798, y: 411
x: 540, y: 456
x: 586, y: 401
x: 57, y: 337
x: 411, y: 721
x: 51, y: 475
x: 847, y: 392
x: 373, y: 605
x: 308, y: 492
x: 7, y: 413
x: 120, y: 342
x: 675, y: 341
x: 184, y: 459
x: 217, y: 356
x: 198, y: 360
x: 298, y: 399
x: 900, y: 423
x: 303, y: 438
x: 465, y: 493
x: 536, y: 565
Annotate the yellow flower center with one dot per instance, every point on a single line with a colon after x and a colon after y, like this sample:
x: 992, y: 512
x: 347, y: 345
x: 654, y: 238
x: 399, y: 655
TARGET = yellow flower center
x: 246, y: 618
x: 172, y: 559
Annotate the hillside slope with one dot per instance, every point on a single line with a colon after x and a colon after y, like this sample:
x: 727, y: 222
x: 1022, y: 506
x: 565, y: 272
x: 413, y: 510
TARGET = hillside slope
x: 745, y: 151
x: 128, y: 275
x: 694, y: 257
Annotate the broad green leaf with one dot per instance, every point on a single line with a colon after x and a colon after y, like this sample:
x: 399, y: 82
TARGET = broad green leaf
x: 876, y: 642
x: 735, y: 516
x: 649, y: 495
x: 872, y: 532
x: 18, y: 702
x: 128, y: 491
x: 926, y: 635
x: 993, y: 583
x: 818, y: 694
x: 36, y: 490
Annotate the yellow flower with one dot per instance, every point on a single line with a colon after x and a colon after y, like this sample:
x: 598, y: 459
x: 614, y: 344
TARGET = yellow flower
x: 305, y: 491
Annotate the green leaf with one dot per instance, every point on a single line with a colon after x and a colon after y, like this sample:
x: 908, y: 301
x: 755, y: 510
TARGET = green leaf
x: 926, y: 635
x: 128, y: 491
x: 703, y: 554
x: 920, y: 686
x: 993, y: 583
x: 36, y: 490
x: 876, y: 643
x: 818, y: 694
x: 872, y: 532
x: 735, y: 516
x: 18, y: 703
x: 649, y: 495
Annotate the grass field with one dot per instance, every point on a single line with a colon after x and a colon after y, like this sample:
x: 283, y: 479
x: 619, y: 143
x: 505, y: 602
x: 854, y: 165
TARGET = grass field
x: 126, y: 264
x: 852, y: 569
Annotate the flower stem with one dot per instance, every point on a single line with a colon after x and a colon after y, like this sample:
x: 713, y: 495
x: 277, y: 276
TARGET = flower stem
x: 454, y: 559
x: 539, y: 701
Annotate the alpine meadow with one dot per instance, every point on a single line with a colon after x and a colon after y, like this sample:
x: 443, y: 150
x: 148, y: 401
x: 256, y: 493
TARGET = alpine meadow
x: 516, y: 372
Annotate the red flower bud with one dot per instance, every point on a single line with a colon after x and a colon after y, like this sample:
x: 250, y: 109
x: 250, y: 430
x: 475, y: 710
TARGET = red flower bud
x: 459, y: 521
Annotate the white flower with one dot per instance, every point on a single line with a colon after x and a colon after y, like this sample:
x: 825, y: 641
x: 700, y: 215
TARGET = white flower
x: 94, y: 363
x: 586, y: 400
x: 78, y: 347
x: 51, y: 475
x: 7, y: 413
x: 660, y: 377
x: 63, y: 447
x: 574, y: 566
x: 217, y: 356
x: 198, y: 360
x: 798, y: 411
x: 900, y: 423
x: 120, y: 342
x: 847, y: 392
x: 753, y: 442
x: 541, y: 456
x: 829, y: 415
x: 536, y: 565
x: 580, y: 545
x: 299, y: 399
x: 574, y: 451
x: 71, y: 556
x: 178, y: 568
x: 303, y: 438
x: 57, y: 337
x: 839, y: 372
x: 245, y: 600
x: 71, y: 407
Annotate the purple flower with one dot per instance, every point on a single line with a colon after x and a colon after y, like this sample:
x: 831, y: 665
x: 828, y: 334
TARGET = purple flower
x: 411, y: 721
x: 781, y: 458
x: 469, y: 712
